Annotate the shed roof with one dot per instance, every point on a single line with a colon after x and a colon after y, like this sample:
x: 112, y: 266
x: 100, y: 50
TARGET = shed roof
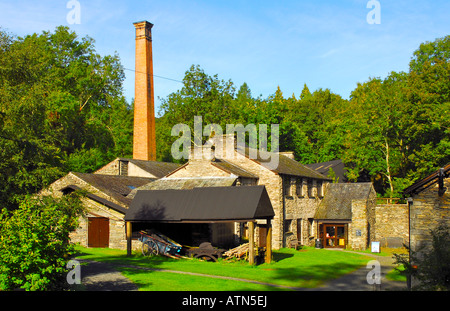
x: 211, y: 204
x: 337, y: 202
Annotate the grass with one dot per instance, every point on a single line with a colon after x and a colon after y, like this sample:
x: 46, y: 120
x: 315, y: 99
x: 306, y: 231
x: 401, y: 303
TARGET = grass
x: 397, y: 274
x: 308, y: 267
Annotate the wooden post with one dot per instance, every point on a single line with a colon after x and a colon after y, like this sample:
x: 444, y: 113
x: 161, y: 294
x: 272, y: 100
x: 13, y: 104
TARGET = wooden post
x: 269, y: 242
x: 251, y: 239
x: 129, y: 232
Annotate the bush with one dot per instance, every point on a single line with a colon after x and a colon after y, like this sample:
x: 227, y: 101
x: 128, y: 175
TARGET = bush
x: 34, y: 242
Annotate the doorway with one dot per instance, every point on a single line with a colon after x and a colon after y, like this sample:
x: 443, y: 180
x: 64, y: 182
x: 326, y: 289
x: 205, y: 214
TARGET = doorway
x: 98, y: 232
x: 334, y: 235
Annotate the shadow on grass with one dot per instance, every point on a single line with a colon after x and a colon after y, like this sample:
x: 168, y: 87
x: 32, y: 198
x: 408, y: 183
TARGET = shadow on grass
x: 313, y: 275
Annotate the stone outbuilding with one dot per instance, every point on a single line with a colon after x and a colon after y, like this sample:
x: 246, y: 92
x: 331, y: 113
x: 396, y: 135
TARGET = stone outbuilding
x: 429, y: 206
x: 106, y: 198
x: 346, y: 216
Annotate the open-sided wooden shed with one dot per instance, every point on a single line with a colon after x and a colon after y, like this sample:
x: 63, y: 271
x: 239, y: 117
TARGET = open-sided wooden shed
x: 204, y: 205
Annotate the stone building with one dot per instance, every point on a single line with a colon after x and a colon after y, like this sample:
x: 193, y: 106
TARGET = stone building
x: 306, y: 205
x: 106, y: 201
x: 429, y: 206
x: 346, y: 216
x: 293, y: 188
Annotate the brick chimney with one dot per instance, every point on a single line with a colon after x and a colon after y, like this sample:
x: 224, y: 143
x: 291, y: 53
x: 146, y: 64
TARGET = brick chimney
x: 144, y: 140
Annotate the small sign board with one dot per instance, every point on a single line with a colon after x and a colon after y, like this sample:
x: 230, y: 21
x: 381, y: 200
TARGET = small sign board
x: 358, y: 232
x: 375, y: 247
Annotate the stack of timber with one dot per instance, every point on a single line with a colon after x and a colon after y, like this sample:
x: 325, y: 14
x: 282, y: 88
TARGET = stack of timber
x: 237, y: 252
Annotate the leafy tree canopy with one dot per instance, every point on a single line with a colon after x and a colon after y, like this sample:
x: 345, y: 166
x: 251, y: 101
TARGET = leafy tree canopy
x: 61, y: 109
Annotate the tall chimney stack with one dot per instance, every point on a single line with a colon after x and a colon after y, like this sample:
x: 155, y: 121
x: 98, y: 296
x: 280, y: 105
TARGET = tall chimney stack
x: 144, y: 137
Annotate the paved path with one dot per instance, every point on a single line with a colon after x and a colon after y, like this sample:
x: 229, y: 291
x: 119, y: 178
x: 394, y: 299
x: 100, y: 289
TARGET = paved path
x: 357, y: 280
x: 100, y: 276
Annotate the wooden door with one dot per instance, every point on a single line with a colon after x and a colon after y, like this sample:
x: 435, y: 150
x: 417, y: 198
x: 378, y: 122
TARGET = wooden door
x: 98, y: 232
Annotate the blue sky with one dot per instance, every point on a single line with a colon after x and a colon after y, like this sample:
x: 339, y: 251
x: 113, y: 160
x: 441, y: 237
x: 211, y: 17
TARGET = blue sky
x: 323, y: 43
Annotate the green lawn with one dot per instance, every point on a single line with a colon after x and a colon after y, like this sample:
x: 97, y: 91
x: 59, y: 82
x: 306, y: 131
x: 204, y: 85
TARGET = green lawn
x: 308, y: 267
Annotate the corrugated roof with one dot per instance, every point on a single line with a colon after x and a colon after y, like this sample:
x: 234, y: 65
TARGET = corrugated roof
x: 208, y: 204
x: 156, y: 168
x: 185, y: 183
x: 285, y: 166
x: 337, y: 202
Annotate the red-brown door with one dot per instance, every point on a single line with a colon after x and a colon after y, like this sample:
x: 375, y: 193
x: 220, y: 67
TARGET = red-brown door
x: 98, y: 232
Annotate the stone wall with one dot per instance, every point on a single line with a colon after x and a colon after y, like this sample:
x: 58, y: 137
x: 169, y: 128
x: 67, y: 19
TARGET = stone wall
x: 391, y: 225
x: 427, y: 211
x: 301, y: 204
x: 112, y: 168
x: 358, y: 234
x: 117, y: 238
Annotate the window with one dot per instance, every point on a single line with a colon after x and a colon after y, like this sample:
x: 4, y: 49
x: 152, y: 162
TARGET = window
x: 319, y: 184
x: 310, y: 188
x: 287, y: 225
x: 287, y: 186
x: 299, y: 187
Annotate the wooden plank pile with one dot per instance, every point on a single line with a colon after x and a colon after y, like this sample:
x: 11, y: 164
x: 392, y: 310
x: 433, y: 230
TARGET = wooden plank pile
x: 237, y: 252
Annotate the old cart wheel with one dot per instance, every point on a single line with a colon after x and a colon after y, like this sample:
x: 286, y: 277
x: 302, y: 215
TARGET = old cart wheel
x: 149, y: 248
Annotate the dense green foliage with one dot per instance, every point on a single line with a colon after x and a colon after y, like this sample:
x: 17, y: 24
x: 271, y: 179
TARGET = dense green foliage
x: 61, y: 109
x: 391, y: 131
x: 34, y: 242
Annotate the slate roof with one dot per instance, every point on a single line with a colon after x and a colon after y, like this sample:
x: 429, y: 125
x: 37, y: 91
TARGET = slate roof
x: 185, y: 183
x: 156, y: 168
x: 428, y: 181
x: 232, y: 169
x: 338, y: 198
x: 324, y: 168
x: 285, y: 166
x: 96, y: 198
x: 116, y: 186
x: 209, y: 204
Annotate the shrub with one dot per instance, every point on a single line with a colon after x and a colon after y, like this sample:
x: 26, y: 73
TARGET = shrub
x: 34, y: 242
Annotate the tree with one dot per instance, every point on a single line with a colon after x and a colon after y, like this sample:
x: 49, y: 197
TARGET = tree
x: 201, y: 95
x: 34, y: 240
x: 61, y: 105
x: 376, y: 139
x: 430, y: 93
